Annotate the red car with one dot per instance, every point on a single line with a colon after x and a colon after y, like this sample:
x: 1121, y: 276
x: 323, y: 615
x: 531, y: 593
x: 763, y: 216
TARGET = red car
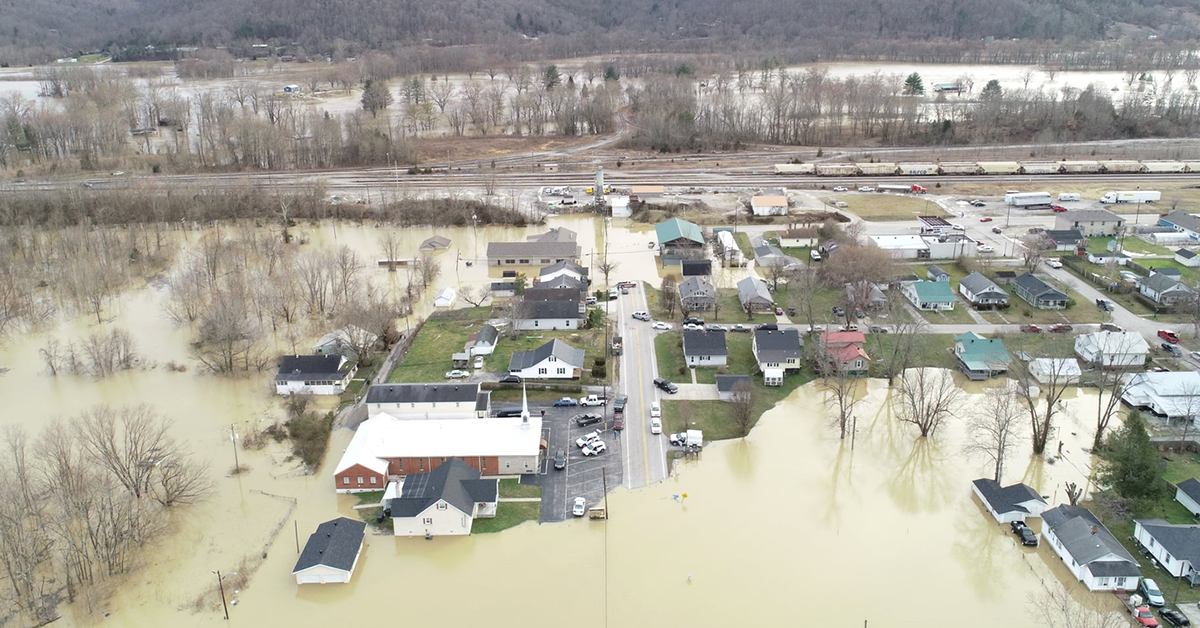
x: 985, y: 219
x: 1168, y: 335
x: 1144, y: 617
x: 1031, y: 329
x: 1058, y: 208
x: 778, y: 311
x: 1060, y: 328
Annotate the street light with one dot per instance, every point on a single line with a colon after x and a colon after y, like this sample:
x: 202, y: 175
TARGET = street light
x: 221, y: 586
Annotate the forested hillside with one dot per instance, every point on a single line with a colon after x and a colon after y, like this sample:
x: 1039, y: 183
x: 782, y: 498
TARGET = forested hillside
x: 34, y: 30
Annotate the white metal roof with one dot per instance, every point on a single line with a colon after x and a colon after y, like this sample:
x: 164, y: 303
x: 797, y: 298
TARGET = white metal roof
x: 899, y: 242
x: 384, y: 436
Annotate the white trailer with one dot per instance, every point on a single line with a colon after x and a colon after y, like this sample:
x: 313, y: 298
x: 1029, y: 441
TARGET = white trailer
x: 999, y: 167
x: 1039, y: 167
x: 917, y: 169
x: 1028, y: 199
x: 902, y: 189
x: 876, y: 169
x: 1134, y: 196
x: 795, y: 168
x: 836, y: 170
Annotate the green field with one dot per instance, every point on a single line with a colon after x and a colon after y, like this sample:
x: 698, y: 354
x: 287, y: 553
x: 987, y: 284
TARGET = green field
x: 508, y: 515
x: 880, y: 207
x: 1131, y: 245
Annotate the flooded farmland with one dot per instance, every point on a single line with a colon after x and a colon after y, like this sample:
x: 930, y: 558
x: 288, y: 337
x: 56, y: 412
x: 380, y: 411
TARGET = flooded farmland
x: 788, y: 522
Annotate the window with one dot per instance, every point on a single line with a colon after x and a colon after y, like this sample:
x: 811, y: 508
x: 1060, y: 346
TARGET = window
x: 441, y: 505
x: 536, y: 322
x: 373, y: 478
x: 428, y: 521
x: 524, y: 261
x: 562, y: 371
x: 420, y: 464
x: 1104, y: 582
x: 346, y: 480
x: 541, y: 371
x: 360, y: 480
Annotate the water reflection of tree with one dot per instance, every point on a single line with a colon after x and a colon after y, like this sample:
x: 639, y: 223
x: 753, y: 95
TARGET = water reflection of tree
x: 981, y: 547
x: 921, y: 483
x: 740, y: 457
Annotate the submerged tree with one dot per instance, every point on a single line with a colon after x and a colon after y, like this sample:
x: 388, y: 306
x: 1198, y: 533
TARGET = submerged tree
x: 376, y: 97
x: 994, y: 427
x: 928, y: 397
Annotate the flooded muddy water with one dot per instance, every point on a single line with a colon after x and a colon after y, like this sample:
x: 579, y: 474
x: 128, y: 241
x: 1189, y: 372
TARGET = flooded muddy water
x: 789, y: 522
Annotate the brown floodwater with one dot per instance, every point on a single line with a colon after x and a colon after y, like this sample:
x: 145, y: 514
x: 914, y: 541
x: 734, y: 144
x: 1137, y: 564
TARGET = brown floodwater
x: 788, y: 526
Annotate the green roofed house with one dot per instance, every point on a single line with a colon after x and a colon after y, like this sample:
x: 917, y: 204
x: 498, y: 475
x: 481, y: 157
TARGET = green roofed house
x: 980, y: 358
x: 679, y: 240
x: 930, y: 295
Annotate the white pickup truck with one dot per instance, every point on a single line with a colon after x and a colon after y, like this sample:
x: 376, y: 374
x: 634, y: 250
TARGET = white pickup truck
x: 592, y: 400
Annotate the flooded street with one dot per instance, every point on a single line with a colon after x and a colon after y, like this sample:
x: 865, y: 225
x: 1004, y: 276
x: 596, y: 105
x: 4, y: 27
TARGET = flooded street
x: 787, y: 522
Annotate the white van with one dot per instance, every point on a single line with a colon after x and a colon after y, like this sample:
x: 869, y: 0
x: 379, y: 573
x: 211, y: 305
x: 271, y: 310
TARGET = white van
x: 655, y: 418
x: 815, y: 255
x: 1067, y: 197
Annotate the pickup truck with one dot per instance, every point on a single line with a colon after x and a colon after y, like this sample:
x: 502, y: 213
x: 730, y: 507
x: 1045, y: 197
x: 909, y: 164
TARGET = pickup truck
x: 592, y: 400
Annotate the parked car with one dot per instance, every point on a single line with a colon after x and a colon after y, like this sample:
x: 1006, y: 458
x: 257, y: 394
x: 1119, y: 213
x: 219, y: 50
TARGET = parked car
x: 655, y: 409
x: 594, y: 448
x: 778, y: 311
x: 739, y: 328
x: 958, y: 227
x: 1032, y: 329
x: 591, y: 301
x: 1144, y: 617
x: 1174, y: 618
x: 987, y: 248
x: 478, y: 361
x: 1060, y: 328
x: 978, y: 204
x: 1107, y: 306
x: 583, y: 441
x: 1058, y: 208
x: 1110, y: 327
x: 665, y: 386
x: 985, y: 219
x: 656, y: 425
x: 1053, y: 263
x: 613, y: 294
x: 510, y: 379
x: 457, y: 374
x: 678, y: 439
x: 866, y: 188
x: 560, y: 460
x: 1027, y: 537
x: 580, y: 507
x: 837, y: 311
x: 692, y: 320
x: 661, y: 326
x: 618, y: 423
x: 1168, y: 335
x: 1172, y: 349
x: 1195, y: 355
x: 584, y: 420
x: 878, y: 329
x: 859, y: 313
x: 1149, y: 588
x: 767, y: 327
x: 840, y: 188
x: 692, y: 327
x: 715, y: 327
x: 509, y: 413
x: 642, y: 316
x: 997, y: 230
x: 565, y: 402
x: 816, y: 329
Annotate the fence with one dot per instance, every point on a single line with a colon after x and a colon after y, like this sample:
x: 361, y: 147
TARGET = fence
x: 1079, y: 268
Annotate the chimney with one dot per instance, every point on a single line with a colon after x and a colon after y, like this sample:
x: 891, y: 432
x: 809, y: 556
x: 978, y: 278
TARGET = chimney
x: 1095, y: 529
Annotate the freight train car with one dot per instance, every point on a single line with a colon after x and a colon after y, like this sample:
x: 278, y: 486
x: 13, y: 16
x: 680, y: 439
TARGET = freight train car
x: 837, y: 170
x: 876, y: 169
x: 795, y: 168
x: 958, y: 167
x: 1079, y: 167
x: 1039, y: 167
x: 1120, y: 166
x: 999, y: 167
x: 1163, y: 167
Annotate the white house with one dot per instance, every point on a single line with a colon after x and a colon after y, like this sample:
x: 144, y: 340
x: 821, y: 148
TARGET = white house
x: 1088, y: 550
x: 931, y: 246
x: 449, y: 400
x: 728, y: 247
x: 331, y: 553
x: 1008, y: 503
x: 1112, y: 349
x: 1176, y: 547
x: 444, y: 501
x: 774, y: 205
x: 1090, y: 222
x: 550, y: 315
x: 929, y: 295
x: 982, y: 292
x: 777, y: 351
x: 1187, y: 493
x: 1187, y: 258
x: 312, y: 375
x: 619, y: 205
x: 483, y: 342
x: 1164, y: 289
x: 565, y: 268
x: 445, y: 298
x: 704, y: 348
x: 553, y: 360
x: 385, y: 447
x: 1060, y: 371
x: 1173, y: 394
x: 799, y: 238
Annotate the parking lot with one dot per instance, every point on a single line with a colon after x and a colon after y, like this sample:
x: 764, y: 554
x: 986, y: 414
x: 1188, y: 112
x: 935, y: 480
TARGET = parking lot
x: 584, y: 476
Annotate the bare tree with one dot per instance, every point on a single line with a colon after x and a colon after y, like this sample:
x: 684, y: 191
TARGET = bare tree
x: 742, y: 404
x: 841, y: 387
x: 1027, y: 76
x: 25, y: 547
x: 1111, y: 382
x: 228, y: 337
x: 441, y: 93
x: 1055, y: 378
x: 1033, y: 250
x: 906, y: 331
x: 429, y: 269
x: 1057, y: 608
x: 606, y: 266
x: 928, y: 397
x: 669, y: 295
x: 392, y: 245
x: 994, y: 427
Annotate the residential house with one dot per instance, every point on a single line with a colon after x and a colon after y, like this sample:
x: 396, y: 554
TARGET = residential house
x: 777, y: 351
x: 435, y: 243
x: 504, y: 289
x: 443, y: 501
x: 980, y: 358
x: 935, y: 273
x: 1164, y: 290
x: 729, y: 250
x: 843, y: 352
x: 555, y: 234
x: 1058, y: 371
x: 1092, y: 223
x: 331, y: 553
x: 982, y: 292
x: 704, y: 348
x: 1187, y: 258
x: 445, y: 298
x: 754, y: 296
x: 384, y: 448
x: 696, y: 267
x: 874, y: 298
x: 727, y: 384
x: 1187, y: 493
x: 553, y: 360
x: 1038, y: 293
x: 428, y: 401
x: 1173, y: 394
x: 618, y: 206
x: 766, y: 255
x: 1112, y: 349
x: 774, y: 205
x: 697, y: 294
x: 549, y: 315
x: 1066, y: 239
x: 483, y: 342
x: 1008, y: 503
x: 930, y: 296
x: 927, y: 246
x: 538, y: 253
x: 1114, y: 257
x: 1170, y: 271
x: 679, y: 240
x: 312, y: 375
x: 558, y: 289
x: 565, y: 268
x: 804, y: 237
x: 1088, y: 550
x: 1182, y: 222
x: 343, y: 342
x: 1176, y: 547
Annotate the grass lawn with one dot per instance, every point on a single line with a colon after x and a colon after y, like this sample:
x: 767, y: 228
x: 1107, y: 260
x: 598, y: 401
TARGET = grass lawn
x: 934, y: 350
x: 590, y: 340
x: 877, y: 207
x: 1132, y: 245
x: 669, y: 354
x: 730, y: 310
x: 743, y: 242
x: 370, y: 515
x: 1047, y: 344
x: 508, y: 515
x: 958, y: 316
x: 512, y: 487
x: 444, y: 333
x: 713, y: 417
x: 798, y: 252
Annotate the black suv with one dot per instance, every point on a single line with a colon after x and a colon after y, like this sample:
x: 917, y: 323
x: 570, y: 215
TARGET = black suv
x: 585, y: 420
x: 1028, y: 538
x: 767, y: 327
x: 692, y: 320
x: 560, y: 460
x: 666, y: 386
x: 508, y: 412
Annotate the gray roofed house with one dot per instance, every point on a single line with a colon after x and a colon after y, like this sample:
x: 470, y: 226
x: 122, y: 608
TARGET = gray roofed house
x: 753, y: 294
x: 503, y: 289
x: 1164, y: 289
x: 982, y: 292
x: 422, y: 393
x: 483, y: 342
x: 562, y: 281
x: 1038, y: 293
x: 531, y: 253
x: 1090, y: 222
x: 1187, y: 493
x: 312, y: 374
x: 874, y: 297
x: 1008, y: 503
x: 555, y: 234
x: 1182, y: 221
x: 705, y: 348
x: 343, y: 341
x: 425, y: 498
x: 1187, y: 258
x: 727, y: 383
x: 697, y: 294
x: 1065, y: 239
x: 550, y: 315
x: 1176, y: 547
x: 435, y: 243
x: 782, y: 348
x: 565, y: 267
x: 331, y: 552
x: 1089, y: 550
x: 553, y: 292
x: 1169, y: 271
x: 1006, y: 277
x: 553, y: 360
x: 935, y: 273
x: 766, y: 254
x: 696, y: 267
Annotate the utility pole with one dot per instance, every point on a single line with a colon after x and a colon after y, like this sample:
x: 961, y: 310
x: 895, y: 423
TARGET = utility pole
x: 221, y: 586
x: 233, y: 439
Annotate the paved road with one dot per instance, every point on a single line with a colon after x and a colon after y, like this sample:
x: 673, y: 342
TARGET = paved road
x: 645, y: 453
